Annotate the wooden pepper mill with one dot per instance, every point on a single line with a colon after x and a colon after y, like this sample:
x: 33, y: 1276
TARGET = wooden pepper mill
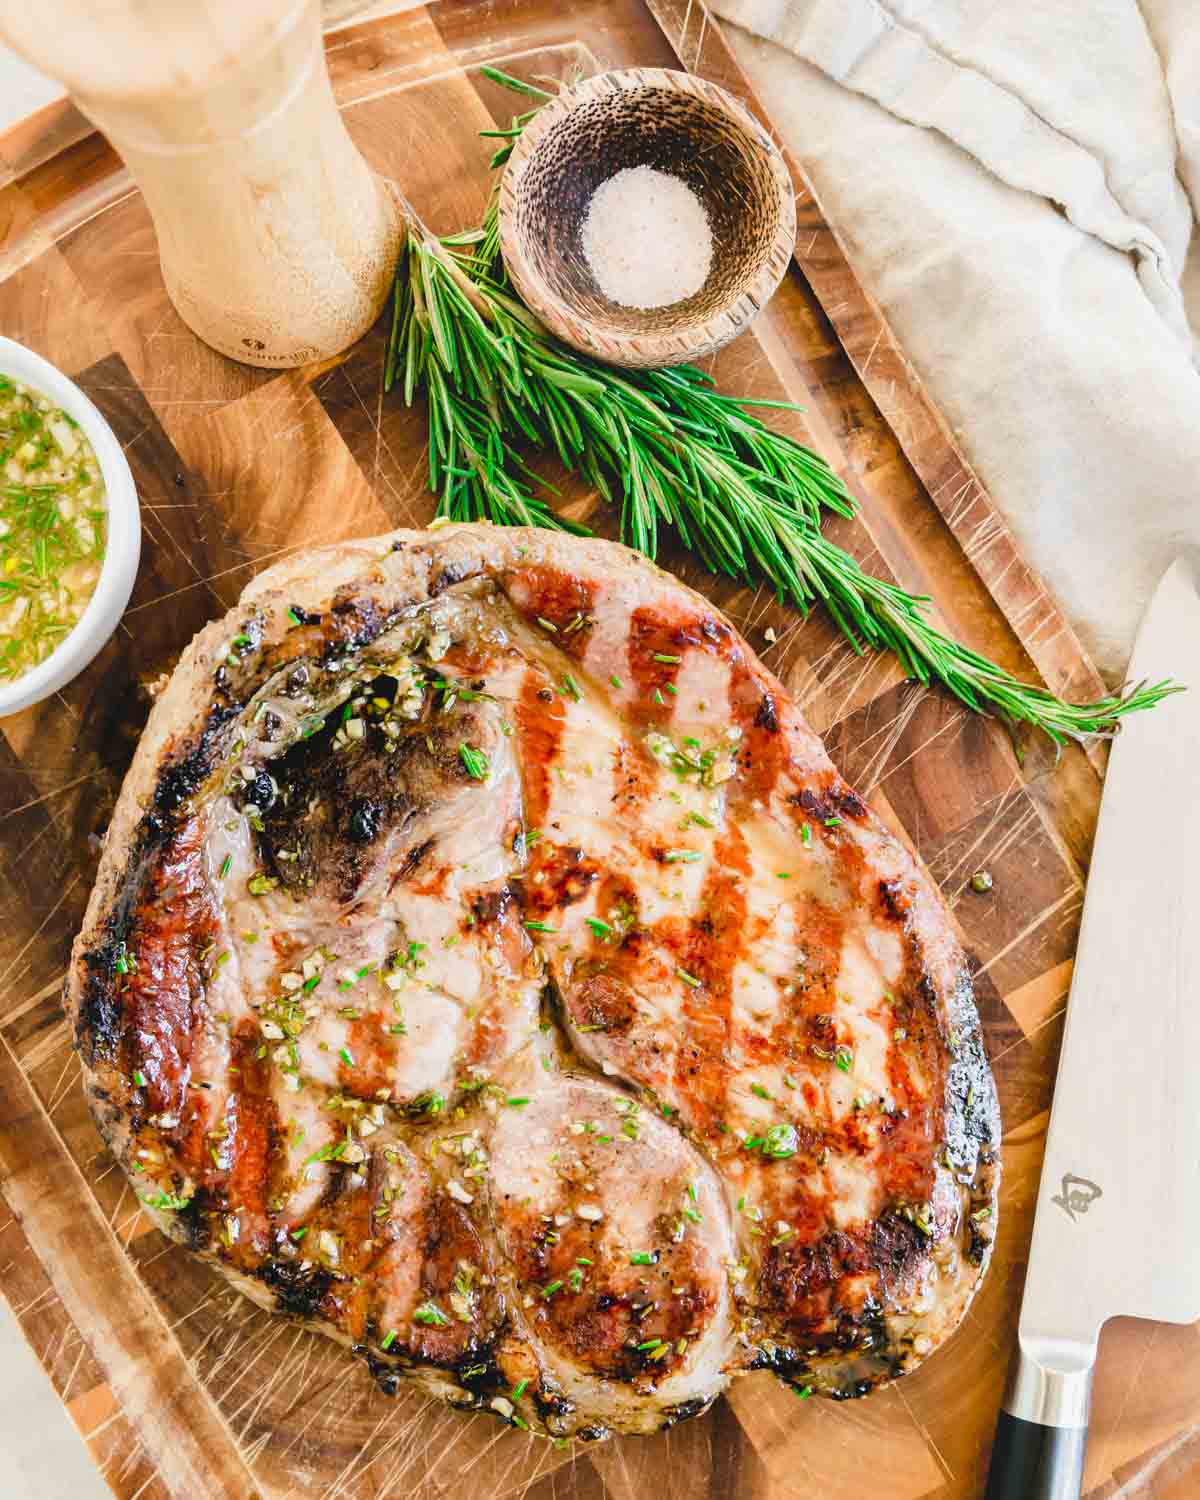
x: 277, y: 241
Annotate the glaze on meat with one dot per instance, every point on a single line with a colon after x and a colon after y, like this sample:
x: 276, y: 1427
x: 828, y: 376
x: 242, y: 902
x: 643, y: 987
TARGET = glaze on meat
x: 488, y: 966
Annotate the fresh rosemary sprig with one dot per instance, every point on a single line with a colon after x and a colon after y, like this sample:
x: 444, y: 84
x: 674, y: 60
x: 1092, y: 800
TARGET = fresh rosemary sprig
x: 667, y: 448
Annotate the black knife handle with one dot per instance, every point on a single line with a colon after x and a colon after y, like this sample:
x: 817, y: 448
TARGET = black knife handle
x: 1032, y: 1462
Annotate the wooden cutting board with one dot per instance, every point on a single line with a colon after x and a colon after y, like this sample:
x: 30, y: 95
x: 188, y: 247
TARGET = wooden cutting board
x: 180, y: 1387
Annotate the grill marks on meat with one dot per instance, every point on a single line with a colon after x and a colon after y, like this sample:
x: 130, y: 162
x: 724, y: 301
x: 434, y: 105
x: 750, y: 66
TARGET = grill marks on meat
x: 161, y: 962
x: 619, y: 1296
x: 511, y: 987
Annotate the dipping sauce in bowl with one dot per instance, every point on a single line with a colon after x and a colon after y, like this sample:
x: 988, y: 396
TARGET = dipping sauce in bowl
x: 70, y: 531
x: 53, y: 526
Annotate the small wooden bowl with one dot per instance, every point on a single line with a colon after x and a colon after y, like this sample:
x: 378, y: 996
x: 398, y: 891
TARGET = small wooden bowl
x: 678, y: 124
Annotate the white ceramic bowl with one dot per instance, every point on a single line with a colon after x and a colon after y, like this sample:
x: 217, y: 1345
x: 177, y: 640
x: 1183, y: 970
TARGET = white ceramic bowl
x: 119, y: 568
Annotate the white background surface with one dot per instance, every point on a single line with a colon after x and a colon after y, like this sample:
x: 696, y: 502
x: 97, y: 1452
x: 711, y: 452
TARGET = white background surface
x: 21, y: 89
x: 42, y: 1456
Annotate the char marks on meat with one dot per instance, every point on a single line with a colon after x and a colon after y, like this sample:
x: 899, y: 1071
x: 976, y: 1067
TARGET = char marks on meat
x: 488, y: 967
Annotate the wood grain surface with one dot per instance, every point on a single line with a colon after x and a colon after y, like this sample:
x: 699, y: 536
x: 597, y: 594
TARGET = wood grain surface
x: 180, y: 1387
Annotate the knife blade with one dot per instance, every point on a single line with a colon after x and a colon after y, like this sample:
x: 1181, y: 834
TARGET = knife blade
x: 1118, y: 1211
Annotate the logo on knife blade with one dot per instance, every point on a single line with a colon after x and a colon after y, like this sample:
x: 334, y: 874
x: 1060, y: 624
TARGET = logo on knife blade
x: 1077, y: 1196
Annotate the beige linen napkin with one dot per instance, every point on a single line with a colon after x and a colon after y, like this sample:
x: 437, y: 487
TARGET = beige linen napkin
x: 1017, y: 184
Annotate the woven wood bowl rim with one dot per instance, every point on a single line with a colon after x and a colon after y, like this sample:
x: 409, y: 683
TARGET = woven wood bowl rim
x: 692, y: 340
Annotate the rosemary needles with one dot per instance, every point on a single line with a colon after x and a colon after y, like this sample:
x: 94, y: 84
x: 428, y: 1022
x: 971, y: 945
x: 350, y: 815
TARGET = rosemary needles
x: 667, y: 449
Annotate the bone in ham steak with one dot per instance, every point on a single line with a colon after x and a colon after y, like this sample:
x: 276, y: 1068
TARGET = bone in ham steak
x: 487, y: 965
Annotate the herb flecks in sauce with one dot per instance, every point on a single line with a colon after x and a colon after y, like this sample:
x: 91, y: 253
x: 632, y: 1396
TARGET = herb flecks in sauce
x: 52, y: 526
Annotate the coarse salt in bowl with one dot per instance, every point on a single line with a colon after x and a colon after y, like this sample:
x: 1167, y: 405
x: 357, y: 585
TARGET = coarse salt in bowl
x: 646, y: 217
x: 122, y: 543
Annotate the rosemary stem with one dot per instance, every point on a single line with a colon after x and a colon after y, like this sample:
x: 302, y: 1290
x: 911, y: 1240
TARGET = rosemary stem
x: 664, y: 446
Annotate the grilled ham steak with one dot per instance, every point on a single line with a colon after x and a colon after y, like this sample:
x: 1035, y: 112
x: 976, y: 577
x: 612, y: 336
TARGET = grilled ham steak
x: 488, y: 965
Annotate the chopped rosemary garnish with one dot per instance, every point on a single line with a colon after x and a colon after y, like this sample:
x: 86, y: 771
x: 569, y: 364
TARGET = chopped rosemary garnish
x: 170, y: 1202
x: 779, y: 1142
x: 475, y: 762
x: 667, y: 449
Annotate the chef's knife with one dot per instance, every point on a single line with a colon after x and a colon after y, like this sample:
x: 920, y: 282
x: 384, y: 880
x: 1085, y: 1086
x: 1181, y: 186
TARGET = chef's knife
x: 1118, y: 1213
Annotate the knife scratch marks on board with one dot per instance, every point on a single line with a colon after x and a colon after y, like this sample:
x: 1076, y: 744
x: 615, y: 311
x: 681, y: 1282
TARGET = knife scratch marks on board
x: 376, y: 478
x: 7, y: 975
x: 1037, y: 633
x: 438, y: 1431
x: 255, y: 1447
x: 1028, y: 821
x: 878, y: 768
x: 334, y: 1394
x: 46, y: 796
x: 45, y: 1295
x: 151, y: 1478
x: 130, y: 1227
x: 962, y: 501
x: 282, y: 1372
x: 73, y: 1373
x: 256, y: 563
x: 68, y: 1080
x: 253, y: 1404
x: 844, y: 662
x: 859, y: 671
x: 1036, y: 602
x: 871, y: 352
x: 206, y: 1301
x: 925, y: 1433
x: 23, y: 1007
x: 983, y: 538
x: 1069, y: 900
x: 338, y: 1484
x: 409, y: 1450
x: 1000, y: 805
x: 251, y: 1346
